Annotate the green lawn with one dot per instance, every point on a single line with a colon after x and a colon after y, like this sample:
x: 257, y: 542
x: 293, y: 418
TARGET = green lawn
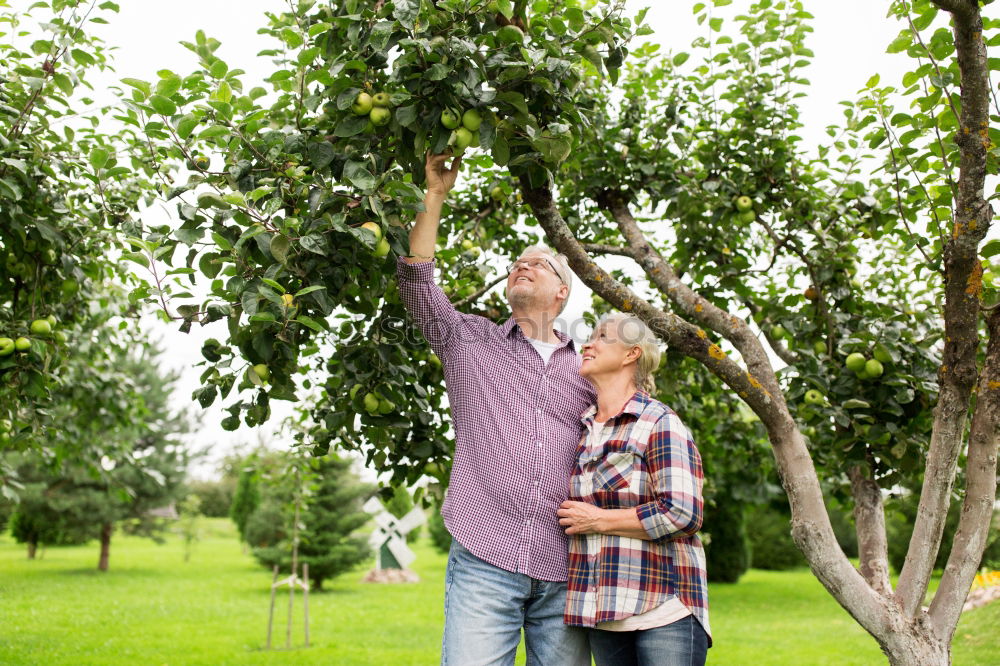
x: 153, y: 608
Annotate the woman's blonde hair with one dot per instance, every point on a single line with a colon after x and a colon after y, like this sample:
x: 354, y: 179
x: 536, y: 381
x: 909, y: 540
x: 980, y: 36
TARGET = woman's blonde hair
x: 633, y: 332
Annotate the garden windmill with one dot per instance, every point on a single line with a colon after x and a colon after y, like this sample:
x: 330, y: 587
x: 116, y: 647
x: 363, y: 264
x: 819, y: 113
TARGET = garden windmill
x: 389, y: 537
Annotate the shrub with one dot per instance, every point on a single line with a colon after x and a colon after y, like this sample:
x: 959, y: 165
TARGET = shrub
x: 727, y: 549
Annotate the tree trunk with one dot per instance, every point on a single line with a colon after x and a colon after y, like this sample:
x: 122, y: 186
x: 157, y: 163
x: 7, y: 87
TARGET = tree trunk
x: 869, y: 522
x: 32, y: 547
x: 102, y: 564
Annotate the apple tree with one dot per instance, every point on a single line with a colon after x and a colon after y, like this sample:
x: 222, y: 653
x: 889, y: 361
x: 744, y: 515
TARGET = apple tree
x: 858, y: 264
x: 63, y: 195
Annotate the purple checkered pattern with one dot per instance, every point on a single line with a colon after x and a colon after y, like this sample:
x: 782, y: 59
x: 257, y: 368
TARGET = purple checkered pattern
x: 517, y: 425
x: 646, y: 460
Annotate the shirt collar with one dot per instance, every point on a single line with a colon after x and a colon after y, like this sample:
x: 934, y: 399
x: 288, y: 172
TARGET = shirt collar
x: 510, y: 326
x: 635, y: 406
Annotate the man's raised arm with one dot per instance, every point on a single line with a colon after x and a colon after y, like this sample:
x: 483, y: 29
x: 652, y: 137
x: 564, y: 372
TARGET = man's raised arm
x: 440, y: 180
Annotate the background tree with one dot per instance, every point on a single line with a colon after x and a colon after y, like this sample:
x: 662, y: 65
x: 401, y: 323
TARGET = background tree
x: 246, y: 497
x: 330, y: 515
x: 76, y: 500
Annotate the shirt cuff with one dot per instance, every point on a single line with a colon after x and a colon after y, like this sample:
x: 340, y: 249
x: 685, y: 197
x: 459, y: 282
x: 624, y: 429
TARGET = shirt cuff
x: 419, y: 272
x: 652, y: 520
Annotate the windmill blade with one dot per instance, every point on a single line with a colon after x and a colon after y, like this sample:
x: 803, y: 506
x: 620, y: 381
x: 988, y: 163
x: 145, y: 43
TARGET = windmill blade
x: 415, y: 518
x: 401, y: 552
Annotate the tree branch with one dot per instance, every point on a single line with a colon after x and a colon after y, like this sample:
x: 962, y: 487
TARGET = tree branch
x: 662, y: 274
x: 980, y: 491
x: 599, y: 248
x: 869, y: 523
x: 963, y: 287
x: 671, y: 328
x: 479, y: 292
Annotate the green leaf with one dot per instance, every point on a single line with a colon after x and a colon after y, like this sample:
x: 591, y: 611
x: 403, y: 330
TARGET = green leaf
x: 279, y: 248
x: 139, y: 85
x: 990, y: 249
x: 162, y: 105
x: 575, y: 18
x: 214, y: 131
x: 168, y: 85
x: 501, y: 151
x: 273, y: 283
x: 901, y: 43
x: 855, y: 403
x: 514, y: 99
x: 680, y: 59
x: 211, y: 200
x: 310, y: 322
x: 98, y: 158
x: 356, y: 174
x: 351, y: 126
x: 186, y: 125
x: 309, y: 290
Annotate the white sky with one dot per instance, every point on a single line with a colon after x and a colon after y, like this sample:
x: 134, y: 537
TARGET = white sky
x: 849, y: 42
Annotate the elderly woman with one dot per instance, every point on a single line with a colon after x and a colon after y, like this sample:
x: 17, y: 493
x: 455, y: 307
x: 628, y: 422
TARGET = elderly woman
x: 636, y: 565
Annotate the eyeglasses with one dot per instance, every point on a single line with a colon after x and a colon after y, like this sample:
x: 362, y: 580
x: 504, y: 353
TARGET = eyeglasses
x: 535, y: 264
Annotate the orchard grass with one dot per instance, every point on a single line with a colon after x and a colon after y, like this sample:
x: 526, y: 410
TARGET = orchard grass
x: 152, y: 607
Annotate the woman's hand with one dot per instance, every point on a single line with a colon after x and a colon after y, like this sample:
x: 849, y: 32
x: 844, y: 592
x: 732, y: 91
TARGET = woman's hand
x: 580, y: 517
x: 440, y: 179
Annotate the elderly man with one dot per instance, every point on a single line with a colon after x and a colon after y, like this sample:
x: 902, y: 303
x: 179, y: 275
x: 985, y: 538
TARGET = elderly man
x: 516, y: 398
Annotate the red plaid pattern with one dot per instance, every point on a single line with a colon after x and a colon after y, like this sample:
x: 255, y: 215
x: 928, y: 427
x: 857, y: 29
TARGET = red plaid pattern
x: 517, y: 425
x: 646, y: 460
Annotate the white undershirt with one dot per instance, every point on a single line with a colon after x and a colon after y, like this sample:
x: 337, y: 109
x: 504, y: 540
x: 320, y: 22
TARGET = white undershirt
x: 666, y: 613
x: 544, y: 349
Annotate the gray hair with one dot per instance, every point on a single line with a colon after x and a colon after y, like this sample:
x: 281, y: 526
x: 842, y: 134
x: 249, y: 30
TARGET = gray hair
x: 634, y: 332
x: 559, y: 262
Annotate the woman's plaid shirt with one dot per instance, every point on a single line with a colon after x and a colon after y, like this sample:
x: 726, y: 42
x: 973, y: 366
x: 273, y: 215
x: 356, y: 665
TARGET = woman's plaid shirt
x: 647, y: 461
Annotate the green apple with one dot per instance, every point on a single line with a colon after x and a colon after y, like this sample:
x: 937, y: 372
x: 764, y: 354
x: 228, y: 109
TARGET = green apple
x: 61, y: 337
x: 744, y: 203
x: 467, y: 244
x: 819, y: 347
x: 471, y: 120
x: 371, y: 402
x: 748, y: 216
x: 262, y: 371
x: 374, y: 228
x: 354, y: 391
x: 381, y: 248
x: 288, y: 300
x: 386, y: 406
x: 41, y: 327
x: 70, y: 287
x: 380, y: 116
x: 511, y: 35
x: 873, y: 368
x: 6, y: 346
x: 52, y: 320
x: 862, y: 375
x: 855, y: 362
x: 381, y: 99
x: 362, y: 104
x: 497, y: 193
x: 778, y: 332
x: 49, y: 256
x: 462, y: 138
x: 22, y: 344
x: 450, y: 118
x: 814, y: 397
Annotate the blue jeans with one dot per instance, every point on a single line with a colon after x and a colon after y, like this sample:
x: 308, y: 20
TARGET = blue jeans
x: 485, y: 609
x: 681, y: 643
